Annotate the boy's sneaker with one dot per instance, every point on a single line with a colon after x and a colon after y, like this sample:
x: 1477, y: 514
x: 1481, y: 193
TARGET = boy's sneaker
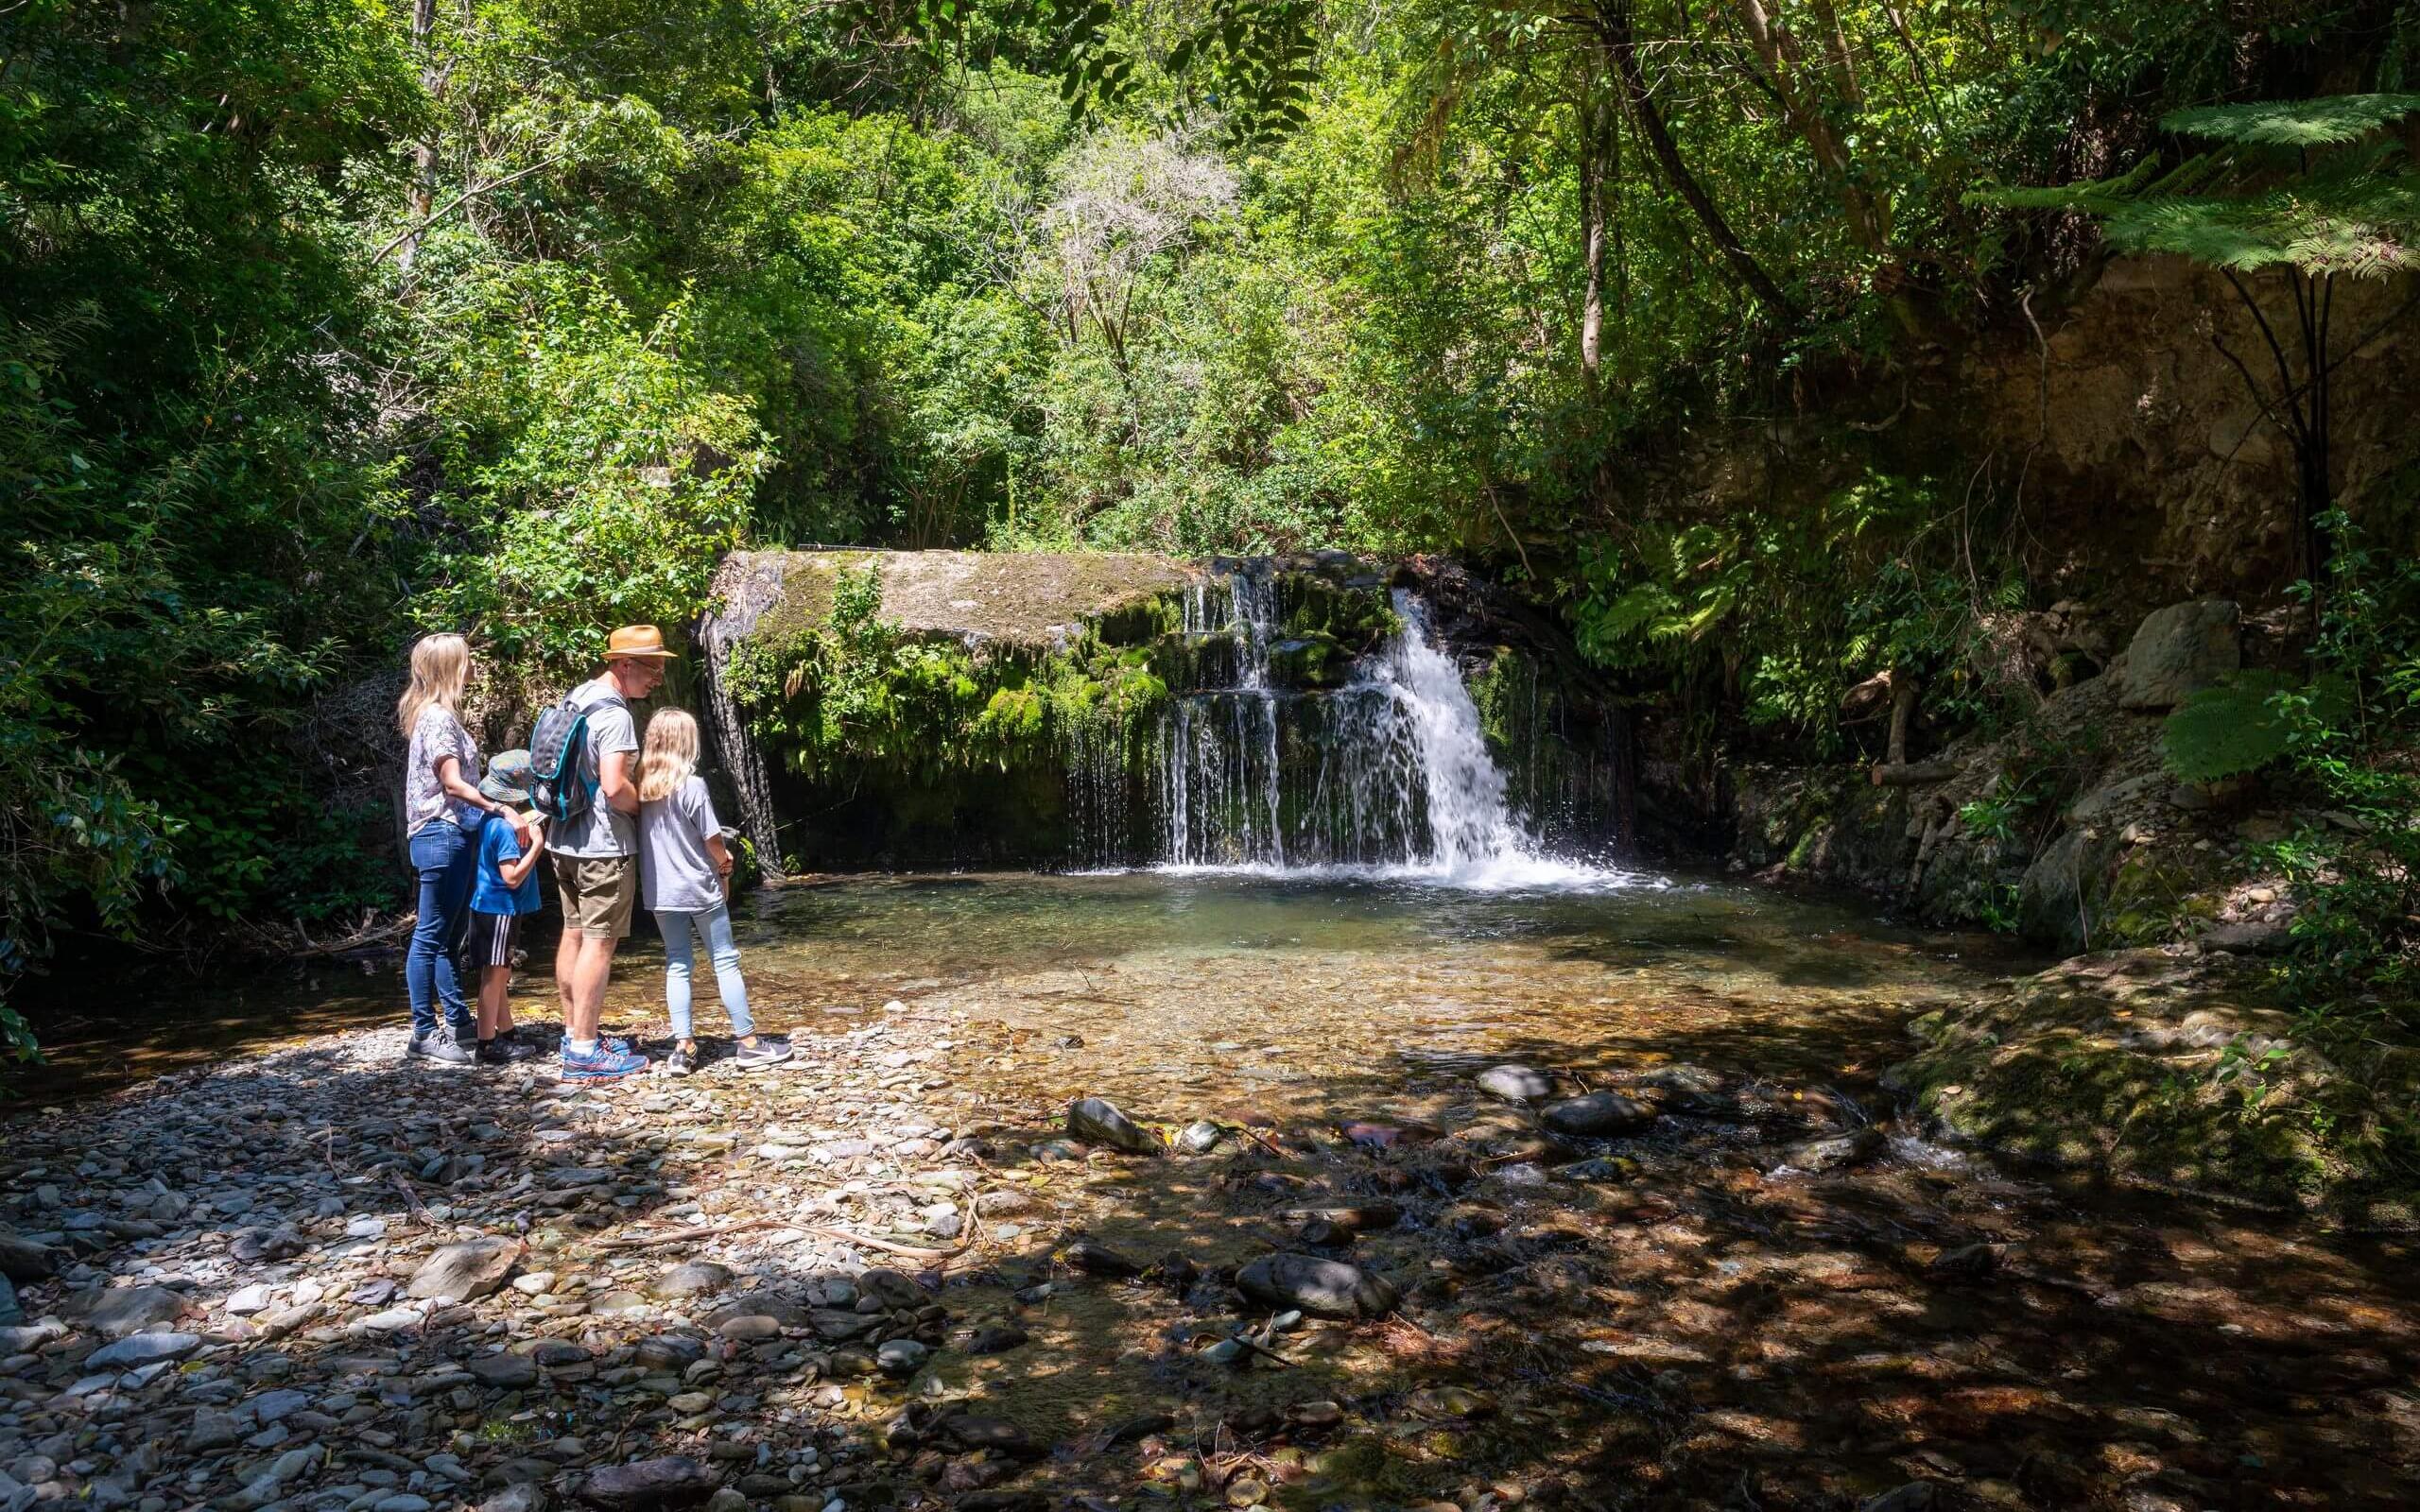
x: 439, y: 1048
x: 604, y: 1063
x: 765, y: 1052
x: 503, y: 1050
x: 680, y: 1062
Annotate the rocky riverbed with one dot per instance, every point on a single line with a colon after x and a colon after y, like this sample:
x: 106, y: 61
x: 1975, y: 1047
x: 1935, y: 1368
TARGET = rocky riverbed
x: 1545, y: 1262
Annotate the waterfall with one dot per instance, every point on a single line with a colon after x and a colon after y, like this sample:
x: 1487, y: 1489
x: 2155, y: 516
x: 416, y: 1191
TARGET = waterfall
x: 1389, y: 775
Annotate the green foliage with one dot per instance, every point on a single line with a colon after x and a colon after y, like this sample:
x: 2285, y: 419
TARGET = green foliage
x: 2229, y: 730
x: 2355, y: 873
x: 860, y: 692
x: 1793, y: 608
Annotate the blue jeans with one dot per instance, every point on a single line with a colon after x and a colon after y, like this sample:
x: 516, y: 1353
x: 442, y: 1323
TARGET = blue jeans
x: 680, y: 963
x: 448, y: 863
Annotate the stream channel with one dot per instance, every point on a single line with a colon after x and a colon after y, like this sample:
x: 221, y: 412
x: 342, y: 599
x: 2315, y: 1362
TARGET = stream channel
x: 1709, y: 1312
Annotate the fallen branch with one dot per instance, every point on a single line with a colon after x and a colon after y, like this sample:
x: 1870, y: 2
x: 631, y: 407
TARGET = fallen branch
x: 683, y: 1235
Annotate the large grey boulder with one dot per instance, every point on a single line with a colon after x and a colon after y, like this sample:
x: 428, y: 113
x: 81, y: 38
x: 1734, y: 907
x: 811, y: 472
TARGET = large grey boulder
x: 2064, y: 894
x: 2179, y: 651
x: 22, y: 1260
x: 460, y: 1273
x: 1324, y: 1288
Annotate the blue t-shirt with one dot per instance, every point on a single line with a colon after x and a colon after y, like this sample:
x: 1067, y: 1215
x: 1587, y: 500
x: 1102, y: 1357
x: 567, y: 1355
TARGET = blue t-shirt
x: 499, y: 844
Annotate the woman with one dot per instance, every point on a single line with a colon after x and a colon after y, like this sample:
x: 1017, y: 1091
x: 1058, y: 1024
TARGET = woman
x: 442, y: 813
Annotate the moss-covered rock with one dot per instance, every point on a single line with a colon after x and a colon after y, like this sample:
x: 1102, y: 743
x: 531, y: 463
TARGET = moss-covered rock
x: 2175, y: 1069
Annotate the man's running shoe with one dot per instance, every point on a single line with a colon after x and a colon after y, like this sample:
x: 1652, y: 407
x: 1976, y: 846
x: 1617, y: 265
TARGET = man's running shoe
x: 604, y: 1063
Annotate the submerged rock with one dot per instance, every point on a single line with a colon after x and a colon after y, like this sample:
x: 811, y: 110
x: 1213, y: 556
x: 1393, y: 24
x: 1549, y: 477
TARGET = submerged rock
x: 1835, y: 1152
x: 1324, y: 1288
x: 1099, y: 1121
x: 1515, y: 1084
x: 1595, y: 1115
x: 1095, y: 1258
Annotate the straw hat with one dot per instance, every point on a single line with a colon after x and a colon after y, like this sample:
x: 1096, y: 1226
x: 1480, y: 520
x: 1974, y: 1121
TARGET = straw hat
x: 643, y: 641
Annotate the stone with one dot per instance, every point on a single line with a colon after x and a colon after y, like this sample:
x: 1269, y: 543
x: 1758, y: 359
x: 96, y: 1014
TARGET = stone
x: 970, y: 1432
x: 1916, y: 1496
x: 1595, y: 1115
x: 534, y: 1283
x: 1324, y: 1288
x: 1360, y: 1218
x: 11, y: 1312
x: 749, y: 1327
x: 245, y: 1301
x: 123, y: 1309
x: 503, y: 1373
x: 463, y: 1272
x: 696, y: 1278
x: 24, y: 1259
x: 401, y: 1501
x: 1515, y: 1084
x: 901, y: 1358
x: 2251, y: 936
x: 1835, y: 1152
x: 2177, y: 652
x: 1099, y: 1121
x: 1095, y: 1258
x: 890, y: 1289
x: 1005, y: 1203
x: 142, y: 1348
x: 1200, y: 1137
x: 997, y: 1338
x: 620, y: 1304
x: 213, y: 1429
x: 522, y: 1496
x: 643, y: 1486
x: 272, y: 1406
x: 1442, y: 1402
x: 729, y: 1499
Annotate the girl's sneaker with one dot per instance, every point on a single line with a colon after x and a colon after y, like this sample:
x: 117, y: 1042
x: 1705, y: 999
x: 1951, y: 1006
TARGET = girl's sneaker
x: 680, y: 1062
x: 604, y: 1063
x: 765, y: 1052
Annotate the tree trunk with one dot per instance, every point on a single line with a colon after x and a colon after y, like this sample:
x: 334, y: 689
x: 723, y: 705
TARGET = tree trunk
x: 1594, y: 167
x: 420, y: 199
x: 1614, y: 29
x: 1903, y: 714
x: 1869, y: 219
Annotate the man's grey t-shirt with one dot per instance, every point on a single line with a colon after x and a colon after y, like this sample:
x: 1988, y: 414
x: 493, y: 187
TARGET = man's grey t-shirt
x: 675, y: 872
x: 603, y: 831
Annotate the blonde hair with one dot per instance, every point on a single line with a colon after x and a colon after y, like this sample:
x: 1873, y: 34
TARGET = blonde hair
x: 441, y: 666
x: 670, y: 758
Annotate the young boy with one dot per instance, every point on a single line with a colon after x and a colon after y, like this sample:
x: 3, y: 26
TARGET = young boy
x: 506, y: 889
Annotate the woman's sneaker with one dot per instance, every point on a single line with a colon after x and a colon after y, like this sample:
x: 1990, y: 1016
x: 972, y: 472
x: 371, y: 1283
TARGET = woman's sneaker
x: 604, y: 1063
x: 765, y: 1052
x: 439, y: 1047
x: 680, y: 1062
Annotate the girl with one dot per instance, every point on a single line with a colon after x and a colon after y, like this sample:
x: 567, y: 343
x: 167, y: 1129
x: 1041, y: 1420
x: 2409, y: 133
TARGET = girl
x: 685, y: 877
x: 442, y: 812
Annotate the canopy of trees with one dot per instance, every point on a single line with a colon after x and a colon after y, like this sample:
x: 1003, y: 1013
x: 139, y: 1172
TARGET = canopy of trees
x: 327, y: 321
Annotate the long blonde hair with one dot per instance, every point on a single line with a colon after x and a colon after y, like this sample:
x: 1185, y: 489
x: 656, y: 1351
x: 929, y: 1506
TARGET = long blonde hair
x: 670, y: 758
x: 441, y: 666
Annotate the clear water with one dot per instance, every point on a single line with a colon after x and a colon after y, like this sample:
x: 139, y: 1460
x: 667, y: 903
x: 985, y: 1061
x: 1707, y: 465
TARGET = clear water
x: 1712, y: 1329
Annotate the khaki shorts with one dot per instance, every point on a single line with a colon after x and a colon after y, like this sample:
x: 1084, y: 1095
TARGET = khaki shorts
x: 599, y: 893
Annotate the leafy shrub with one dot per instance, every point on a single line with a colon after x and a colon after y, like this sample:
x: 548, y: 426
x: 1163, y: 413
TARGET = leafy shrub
x: 2245, y: 722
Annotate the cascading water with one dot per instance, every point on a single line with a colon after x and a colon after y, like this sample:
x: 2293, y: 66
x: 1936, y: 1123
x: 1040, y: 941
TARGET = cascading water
x: 1388, y: 774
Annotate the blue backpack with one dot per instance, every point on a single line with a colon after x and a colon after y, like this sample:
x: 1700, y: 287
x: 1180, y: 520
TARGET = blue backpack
x: 564, y: 779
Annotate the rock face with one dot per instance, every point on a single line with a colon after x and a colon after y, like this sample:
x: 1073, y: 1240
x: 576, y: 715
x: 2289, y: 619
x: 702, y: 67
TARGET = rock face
x: 1596, y: 1115
x: 1099, y: 1121
x: 458, y: 1273
x: 645, y: 1485
x: 2178, y: 651
x: 1324, y: 1288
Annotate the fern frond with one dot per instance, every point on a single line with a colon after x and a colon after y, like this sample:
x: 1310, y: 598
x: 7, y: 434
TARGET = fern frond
x: 2328, y: 121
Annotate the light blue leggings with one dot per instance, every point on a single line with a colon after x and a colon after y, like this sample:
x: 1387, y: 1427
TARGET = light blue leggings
x: 680, y: 963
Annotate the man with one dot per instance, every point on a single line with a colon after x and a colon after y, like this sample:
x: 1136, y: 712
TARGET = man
x: 595, y: 860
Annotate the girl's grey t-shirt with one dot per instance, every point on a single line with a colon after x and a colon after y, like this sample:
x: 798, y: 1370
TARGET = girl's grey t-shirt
x: 675, y: 873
